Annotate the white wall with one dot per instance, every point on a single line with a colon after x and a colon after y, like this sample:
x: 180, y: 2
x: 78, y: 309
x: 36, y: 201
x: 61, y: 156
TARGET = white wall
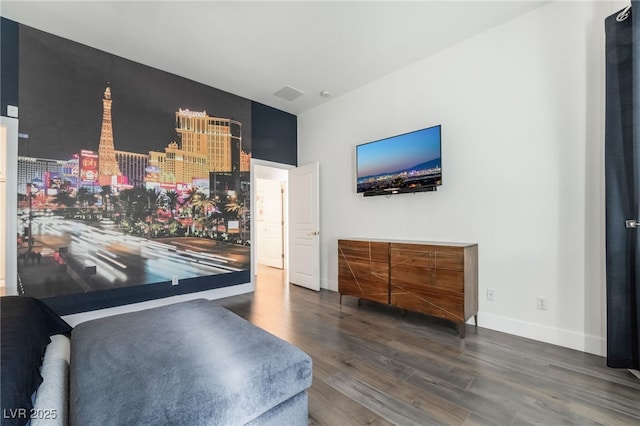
x: 521, y: 108
x: 213, y: 294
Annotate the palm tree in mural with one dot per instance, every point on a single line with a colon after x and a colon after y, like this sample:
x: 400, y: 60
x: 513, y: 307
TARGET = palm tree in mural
x: 105, y: 190
x: 172, y: 198
x: 126, y: 199
x: 105, y: 194
x: 86, y: 197
x: 173, y: 228
x: 197, y: 202
x: 136, y: 206
x: 210, y: 211
x: 153, y: 198
x: 162, y: 213
x: 192, y: 195
x: 64, y: 199
x: 214, y: 214
x: 124, y: 206
x: 235, y: 208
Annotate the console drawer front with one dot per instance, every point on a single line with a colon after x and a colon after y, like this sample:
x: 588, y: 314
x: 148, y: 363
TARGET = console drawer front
x: 450, y: 280
x: 363, y: 270
x: 365, y: 289
x: 450, y: 258
x: 427, y: 267
x: 365, y: 250
x: 442, y: 304
x: 401, y: 256
x: 413, y: 276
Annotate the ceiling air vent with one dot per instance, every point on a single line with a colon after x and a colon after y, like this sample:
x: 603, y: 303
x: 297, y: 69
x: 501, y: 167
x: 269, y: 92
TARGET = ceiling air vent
x: 288, y: 93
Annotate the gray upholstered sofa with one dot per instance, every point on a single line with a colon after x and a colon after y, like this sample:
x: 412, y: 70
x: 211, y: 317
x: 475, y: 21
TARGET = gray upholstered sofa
x: 191, y: 363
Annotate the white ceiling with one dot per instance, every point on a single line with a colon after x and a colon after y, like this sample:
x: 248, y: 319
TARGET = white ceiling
x: 255, y: 48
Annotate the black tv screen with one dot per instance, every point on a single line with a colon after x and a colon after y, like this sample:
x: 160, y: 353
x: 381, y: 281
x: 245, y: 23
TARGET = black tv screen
x: 404, y: 163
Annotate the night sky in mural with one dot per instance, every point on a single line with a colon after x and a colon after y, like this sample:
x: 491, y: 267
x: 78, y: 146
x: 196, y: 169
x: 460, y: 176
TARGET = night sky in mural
x: 61, y: 78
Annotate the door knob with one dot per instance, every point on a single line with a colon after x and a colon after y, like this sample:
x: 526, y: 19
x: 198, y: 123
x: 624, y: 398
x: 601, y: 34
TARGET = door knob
x: 314, y: 233
x: 632, y: 223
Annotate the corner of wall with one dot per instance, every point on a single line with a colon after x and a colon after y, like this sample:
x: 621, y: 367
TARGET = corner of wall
x: 553, y: 335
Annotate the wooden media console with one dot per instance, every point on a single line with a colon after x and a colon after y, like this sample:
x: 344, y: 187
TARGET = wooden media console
x: 438, y: 279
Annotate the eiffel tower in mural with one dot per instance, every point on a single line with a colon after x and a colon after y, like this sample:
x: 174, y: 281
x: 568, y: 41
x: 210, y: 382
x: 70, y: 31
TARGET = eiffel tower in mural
x: 108, y: 166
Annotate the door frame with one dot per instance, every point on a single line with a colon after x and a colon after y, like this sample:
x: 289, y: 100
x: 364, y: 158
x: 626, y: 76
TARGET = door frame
x: 271, y: 229
x: 11, y: 208
x: 262, y: 173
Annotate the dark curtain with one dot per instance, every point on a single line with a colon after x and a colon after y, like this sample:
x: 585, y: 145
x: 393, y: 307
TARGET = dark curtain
x: 622, y: 173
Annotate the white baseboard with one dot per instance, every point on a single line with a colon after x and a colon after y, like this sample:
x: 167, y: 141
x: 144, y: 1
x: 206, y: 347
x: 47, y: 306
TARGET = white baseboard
x: 331, y: 285
x: 566, y: 338
x: 216, y: 293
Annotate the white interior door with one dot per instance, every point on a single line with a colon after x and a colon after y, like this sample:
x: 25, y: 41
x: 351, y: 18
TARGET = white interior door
x: 270, y: 222
x: 304, y: 226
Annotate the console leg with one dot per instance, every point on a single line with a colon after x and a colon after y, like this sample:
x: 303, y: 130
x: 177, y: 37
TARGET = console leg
x: 341, y: 298
x: 475, y: 319
x: 359, y: 301
x: 461, y: 329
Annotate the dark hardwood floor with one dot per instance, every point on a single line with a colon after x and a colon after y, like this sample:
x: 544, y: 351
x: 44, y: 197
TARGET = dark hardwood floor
x: 374, y: 366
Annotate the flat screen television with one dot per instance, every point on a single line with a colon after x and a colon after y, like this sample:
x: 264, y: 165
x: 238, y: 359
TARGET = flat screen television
x: 410, y: 162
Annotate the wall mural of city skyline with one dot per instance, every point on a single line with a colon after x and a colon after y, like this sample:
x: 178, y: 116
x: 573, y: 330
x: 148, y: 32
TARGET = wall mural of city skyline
x: 127, y: 175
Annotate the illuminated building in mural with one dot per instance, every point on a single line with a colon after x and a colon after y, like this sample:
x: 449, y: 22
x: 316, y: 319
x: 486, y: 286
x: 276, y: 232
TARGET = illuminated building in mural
x: 106, y: 151
x: 88, y: 169
x: 205, y: 145
x: 133, y: 165
x: 245, y: 161
x: 177, y: 165
x: 32, y: 170
x: 220, y: 139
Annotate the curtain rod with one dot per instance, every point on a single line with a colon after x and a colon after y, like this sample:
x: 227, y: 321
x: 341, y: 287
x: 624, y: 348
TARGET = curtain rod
x: 624, y: 14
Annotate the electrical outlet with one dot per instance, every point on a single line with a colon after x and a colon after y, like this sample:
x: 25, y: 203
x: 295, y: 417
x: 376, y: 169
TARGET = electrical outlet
x: 542, y: 303
x: 174, y: 280
x: 491, y: 294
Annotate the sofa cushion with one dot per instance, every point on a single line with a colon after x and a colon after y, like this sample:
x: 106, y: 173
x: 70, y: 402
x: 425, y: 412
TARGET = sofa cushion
x: 192, y: 362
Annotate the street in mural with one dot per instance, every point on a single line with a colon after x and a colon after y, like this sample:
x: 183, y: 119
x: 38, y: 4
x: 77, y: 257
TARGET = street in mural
x: 93, y: 215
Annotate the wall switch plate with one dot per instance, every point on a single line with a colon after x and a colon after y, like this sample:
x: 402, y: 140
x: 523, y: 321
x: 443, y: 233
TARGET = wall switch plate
x: 12, y: 111
x: 491, y: 294
x: 542, y: 303
x: 174, y: 280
